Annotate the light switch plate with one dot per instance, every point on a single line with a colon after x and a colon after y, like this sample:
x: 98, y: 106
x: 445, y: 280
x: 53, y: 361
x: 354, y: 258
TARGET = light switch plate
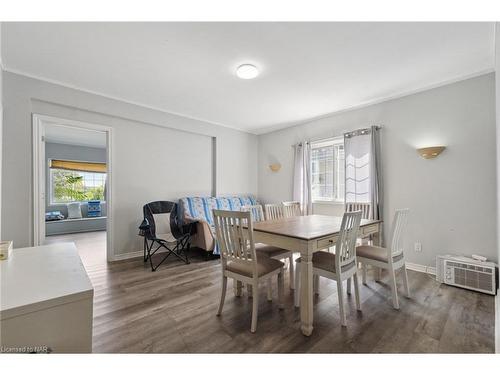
x: 418, y: 247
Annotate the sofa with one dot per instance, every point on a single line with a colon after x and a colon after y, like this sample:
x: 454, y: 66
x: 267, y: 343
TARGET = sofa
x: 199, y: 209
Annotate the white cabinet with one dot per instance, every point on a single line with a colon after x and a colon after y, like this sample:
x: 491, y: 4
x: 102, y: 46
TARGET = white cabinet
x: 46, y: 300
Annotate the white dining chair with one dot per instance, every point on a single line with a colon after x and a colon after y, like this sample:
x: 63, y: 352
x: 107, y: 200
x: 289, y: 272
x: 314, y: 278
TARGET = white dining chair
x: 291, y: 209
x: 268, y: 250
x: 339, y: 266
x: 365, y: 215
x: 240, y: 260
x: 390, y: 258
x: 274, y: 211
x: 358, y: 206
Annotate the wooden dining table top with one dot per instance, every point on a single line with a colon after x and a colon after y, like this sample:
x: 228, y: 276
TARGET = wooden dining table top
x: 307, y: 227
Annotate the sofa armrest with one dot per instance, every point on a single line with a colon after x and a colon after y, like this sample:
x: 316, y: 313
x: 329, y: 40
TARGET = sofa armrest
x: 189, y: 219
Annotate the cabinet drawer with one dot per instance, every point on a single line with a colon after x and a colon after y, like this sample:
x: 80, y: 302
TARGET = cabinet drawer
x: 370, y: 229
x: 326, y: 242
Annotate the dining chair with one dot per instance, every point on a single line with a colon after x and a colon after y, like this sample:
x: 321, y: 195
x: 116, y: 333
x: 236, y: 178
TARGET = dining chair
x: 339, y: 266
x: 267, y: 250
x: 274, y: 211
x: 365, y: 215
x: 291, y: 209
x: 240, y: 260
x: 358, y: 206
x: 390, y: 258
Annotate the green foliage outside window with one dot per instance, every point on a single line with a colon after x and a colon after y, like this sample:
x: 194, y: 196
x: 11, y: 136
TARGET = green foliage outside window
x: 73, y: 186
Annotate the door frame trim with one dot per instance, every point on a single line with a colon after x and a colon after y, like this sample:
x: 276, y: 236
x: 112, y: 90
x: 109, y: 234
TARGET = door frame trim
x: 39, y: 122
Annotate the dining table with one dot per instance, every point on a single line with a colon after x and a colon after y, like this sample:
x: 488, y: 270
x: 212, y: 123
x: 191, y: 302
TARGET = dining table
x: 306, y: 235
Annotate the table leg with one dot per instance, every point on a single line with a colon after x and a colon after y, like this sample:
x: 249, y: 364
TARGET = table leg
x: 306, y: 293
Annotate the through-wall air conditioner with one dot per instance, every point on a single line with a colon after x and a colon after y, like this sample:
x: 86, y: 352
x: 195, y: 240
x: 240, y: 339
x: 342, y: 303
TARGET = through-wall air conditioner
x: 467, y: 273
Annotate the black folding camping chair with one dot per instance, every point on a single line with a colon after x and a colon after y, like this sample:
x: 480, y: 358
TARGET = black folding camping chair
x: 160, y: 228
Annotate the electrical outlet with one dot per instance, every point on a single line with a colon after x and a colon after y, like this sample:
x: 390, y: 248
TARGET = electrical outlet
x: 418, y: 247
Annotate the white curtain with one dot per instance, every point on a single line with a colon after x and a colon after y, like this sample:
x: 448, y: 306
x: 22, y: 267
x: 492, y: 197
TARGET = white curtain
x: 363, y: 182
x: 302, y: 177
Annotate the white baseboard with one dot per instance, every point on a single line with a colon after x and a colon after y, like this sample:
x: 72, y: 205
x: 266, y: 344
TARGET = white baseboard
x: 497, y: 324
x: 421, y: 268
x: 134, y: 254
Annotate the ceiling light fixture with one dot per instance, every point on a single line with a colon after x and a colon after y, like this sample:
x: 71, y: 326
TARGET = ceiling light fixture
x: 247, y: 71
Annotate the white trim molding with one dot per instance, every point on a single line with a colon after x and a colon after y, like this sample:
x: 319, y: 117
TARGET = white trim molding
x: 263, y: 129
x: 421, y: 268
x: 119, y: 99
x: 497, y: 324
x: 133, y: 254
x: 381, y: 99
x: 39, y: 195
x: 125, y: 256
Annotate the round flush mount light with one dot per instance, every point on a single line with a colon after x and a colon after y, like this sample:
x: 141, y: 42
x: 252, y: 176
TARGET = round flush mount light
x: 247, y: 71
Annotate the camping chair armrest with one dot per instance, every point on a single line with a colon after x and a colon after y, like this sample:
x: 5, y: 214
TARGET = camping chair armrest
x: 145, y: 229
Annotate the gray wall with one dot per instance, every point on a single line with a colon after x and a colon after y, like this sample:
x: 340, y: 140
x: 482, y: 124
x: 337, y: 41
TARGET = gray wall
x: 497, y: 106
x: 452, y: 198
x: 1, y: 137
x: 72, y: 152
x: 156, y: 155
x: 1, y: 126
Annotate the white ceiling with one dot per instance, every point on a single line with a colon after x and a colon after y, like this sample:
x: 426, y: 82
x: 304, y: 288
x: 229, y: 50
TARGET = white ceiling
x: 74, y: 136
x: 307, y: 69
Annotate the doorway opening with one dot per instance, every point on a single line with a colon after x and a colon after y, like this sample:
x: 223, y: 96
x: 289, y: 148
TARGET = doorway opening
x: 72, y: 186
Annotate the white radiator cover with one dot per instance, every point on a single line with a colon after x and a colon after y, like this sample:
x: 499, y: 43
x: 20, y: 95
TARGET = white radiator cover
x: 467, y: 273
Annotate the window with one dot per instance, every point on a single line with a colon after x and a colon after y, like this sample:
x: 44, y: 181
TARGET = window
x: 327, y: 170
x: 71, y: 185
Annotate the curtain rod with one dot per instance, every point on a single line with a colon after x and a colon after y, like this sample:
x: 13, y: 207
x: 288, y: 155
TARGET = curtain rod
x: 314, y: 140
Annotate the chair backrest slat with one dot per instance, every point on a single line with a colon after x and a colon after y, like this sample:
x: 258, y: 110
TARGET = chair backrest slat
x: 398, y: 230
x: 274, y: 211
x: 236, y: 243
x: 345, y: 249
x: 256, y: 211
x: 357, y: 206
x: 291, y: 209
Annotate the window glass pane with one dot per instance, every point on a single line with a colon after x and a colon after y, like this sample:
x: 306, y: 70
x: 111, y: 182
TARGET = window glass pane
x: 340, y: 173
x: 74, y: 186
x: 328, y: 171
x: 322, y: 172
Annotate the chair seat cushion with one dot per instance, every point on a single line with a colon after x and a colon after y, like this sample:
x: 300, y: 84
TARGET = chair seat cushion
x: 326, y: 261
x: 271, y: 251
x: 375, y: 253
x: 167, y: 237
x: 265, y: 265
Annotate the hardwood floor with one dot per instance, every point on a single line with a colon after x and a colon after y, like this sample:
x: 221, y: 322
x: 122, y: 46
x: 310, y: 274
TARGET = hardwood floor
x: 91, y: 245
x: 173, y: 310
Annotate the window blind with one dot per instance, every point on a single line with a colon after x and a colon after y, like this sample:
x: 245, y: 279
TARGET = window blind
x: 80, y: 166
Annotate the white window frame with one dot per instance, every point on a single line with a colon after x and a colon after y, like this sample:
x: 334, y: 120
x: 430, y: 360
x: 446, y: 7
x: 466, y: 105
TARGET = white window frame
x: 336, y: 174
x: 51, y: 186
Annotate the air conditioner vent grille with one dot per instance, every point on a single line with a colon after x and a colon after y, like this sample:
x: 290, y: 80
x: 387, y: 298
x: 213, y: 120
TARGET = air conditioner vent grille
x: 470, y: 267
x: 472, y: 279
x: 467, y: 273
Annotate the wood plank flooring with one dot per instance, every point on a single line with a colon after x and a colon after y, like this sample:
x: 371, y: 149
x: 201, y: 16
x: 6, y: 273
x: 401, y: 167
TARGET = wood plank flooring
x: 173, y: 310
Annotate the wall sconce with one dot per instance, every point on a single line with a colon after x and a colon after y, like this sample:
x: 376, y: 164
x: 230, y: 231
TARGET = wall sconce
x: 275, y: 167
x: 430, y: 152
